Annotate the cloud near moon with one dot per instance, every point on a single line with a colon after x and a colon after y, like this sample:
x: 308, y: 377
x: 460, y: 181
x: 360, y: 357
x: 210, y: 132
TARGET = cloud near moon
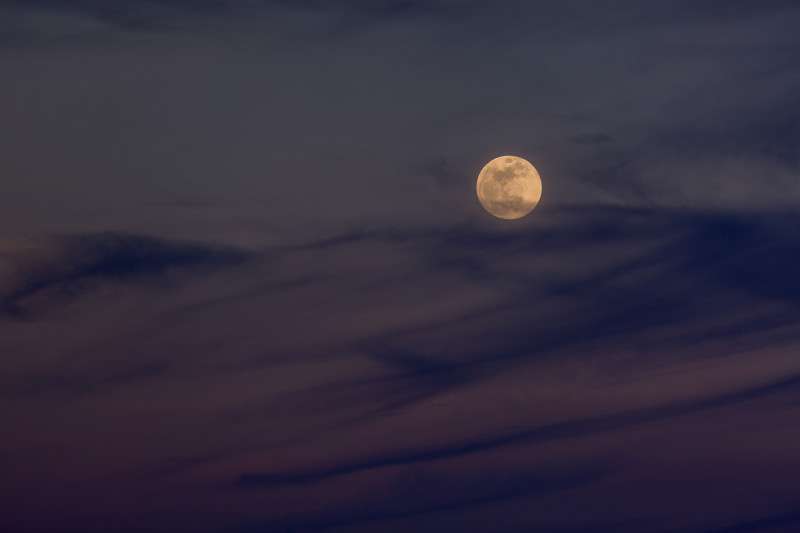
x: 509, y: 187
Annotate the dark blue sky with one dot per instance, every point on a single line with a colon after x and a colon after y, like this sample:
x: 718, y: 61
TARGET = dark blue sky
x: 246, y: 285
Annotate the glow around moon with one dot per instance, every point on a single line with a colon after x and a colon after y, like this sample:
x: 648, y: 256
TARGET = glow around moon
x: 509, y: 187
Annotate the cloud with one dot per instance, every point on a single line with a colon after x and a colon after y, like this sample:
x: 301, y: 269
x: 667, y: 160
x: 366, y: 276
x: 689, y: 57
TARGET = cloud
x: 730, y: 276
x: 350, y: 359
x: 570, y: 429
x: 423, y: 101
x: 422, y: 491
x: 388, y: 335
x: 771, y: 523
x: 76, y: 264
x: 610, y: 287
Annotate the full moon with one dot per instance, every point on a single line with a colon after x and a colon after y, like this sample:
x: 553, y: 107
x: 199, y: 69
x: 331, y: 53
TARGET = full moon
x: 509, y: 187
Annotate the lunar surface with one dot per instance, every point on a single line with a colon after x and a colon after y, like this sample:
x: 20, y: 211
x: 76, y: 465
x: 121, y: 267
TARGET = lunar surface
x: 509, y: 187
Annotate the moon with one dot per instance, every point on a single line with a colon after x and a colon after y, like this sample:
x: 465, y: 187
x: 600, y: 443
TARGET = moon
x: 509, y: 187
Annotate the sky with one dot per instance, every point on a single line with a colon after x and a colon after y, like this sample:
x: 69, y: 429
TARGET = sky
x: 246, y: 284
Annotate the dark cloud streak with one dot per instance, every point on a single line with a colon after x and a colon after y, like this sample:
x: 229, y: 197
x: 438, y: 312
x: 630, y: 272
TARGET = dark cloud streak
x: 413, y: 489
x: 366, y: 348
x: 562, y: 430
x: 75, y: 263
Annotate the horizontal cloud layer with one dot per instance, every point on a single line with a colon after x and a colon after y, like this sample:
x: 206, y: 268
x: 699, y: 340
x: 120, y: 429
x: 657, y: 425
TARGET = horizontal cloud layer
x: 358, y: 360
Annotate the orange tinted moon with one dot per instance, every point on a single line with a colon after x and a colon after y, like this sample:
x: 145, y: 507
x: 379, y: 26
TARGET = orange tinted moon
x: 509, y: 187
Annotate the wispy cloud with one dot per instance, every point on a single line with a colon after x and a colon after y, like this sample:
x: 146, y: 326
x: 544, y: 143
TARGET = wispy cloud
x: 380, y: 330
x: 570, y: 429
x: 421, y: 492
x: 381, y: 353
x: 75, y: 264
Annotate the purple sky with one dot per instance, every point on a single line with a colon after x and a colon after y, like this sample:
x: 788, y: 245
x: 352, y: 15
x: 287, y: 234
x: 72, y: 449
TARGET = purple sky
x: 246, y: 285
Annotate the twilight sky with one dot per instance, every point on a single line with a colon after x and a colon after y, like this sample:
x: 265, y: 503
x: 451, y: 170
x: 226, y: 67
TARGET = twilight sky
x: 246, y: 284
